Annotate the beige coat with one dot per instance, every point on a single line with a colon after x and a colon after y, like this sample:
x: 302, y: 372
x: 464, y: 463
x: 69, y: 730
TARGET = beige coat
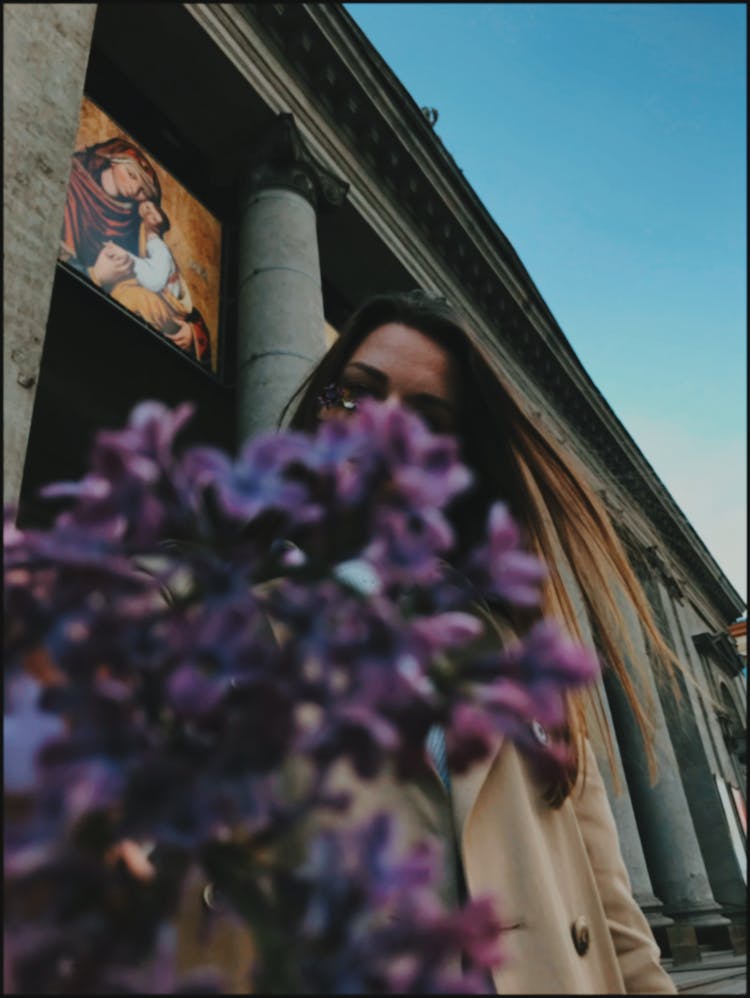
x: 560, y: 884
x: 571, y: 925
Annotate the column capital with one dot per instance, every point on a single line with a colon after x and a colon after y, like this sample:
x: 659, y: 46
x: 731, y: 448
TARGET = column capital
x: 283, y: 159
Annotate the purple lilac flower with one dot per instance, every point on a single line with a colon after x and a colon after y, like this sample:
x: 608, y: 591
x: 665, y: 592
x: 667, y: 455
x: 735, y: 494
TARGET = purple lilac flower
x: 26, y: 730
x: 131, y: 471
x: 368, y: 921
x: 527, y: 680
x: 258, y: 480
x: 425, y: 467
x: 504, y: 569
x: 180, y: 716
x: 470, y: 735
x: 442, y: 631
x: 408, y: 546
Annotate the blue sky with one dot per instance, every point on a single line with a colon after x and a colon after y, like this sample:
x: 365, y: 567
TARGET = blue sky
x: 608, y: 142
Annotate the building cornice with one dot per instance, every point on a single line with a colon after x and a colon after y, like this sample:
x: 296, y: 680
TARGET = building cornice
x: 343, y: 78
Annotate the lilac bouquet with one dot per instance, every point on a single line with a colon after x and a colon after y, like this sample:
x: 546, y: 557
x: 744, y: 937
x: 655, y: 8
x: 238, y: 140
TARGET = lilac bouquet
x: 191, y: 630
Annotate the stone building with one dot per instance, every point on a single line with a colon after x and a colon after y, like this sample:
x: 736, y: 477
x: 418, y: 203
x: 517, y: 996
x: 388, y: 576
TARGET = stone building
x: 329, y: 183
x: 738, y: 631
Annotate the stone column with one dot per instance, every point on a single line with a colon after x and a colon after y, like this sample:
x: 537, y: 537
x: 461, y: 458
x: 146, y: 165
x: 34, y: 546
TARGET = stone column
x: 45, y: 53
x: 698, y: 748
x: 281, y: 333
x: 619, y: 796
x: 627, y: 827
x: 670, y: 845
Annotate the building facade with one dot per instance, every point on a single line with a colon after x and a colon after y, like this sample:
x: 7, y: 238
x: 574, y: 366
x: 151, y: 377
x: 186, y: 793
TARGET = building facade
x: 299, y: 177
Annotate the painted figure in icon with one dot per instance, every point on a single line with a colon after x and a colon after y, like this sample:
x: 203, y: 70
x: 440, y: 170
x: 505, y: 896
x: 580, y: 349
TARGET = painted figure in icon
x: 107, y: 182
x: 156, y: 290
x: 113, y: 231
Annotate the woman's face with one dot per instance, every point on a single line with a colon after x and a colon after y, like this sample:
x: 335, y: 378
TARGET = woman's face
x: 398, y: 361
x: 128, y: 182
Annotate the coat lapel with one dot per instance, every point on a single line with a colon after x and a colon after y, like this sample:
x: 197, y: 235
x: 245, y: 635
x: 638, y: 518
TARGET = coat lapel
x: 466, y: 787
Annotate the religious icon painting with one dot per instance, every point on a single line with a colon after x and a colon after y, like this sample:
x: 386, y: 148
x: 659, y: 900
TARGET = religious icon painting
x: 135, y: 233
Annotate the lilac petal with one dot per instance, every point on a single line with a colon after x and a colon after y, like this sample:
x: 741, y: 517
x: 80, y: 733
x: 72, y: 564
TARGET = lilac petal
x: 115, y: 457
x: 389, y: 875
x: 448, y: 630
x: 90, y: 487
x: 514, y: 705
x: 192, y: 692
x: 203, y: 465
x: 511, y: 697
x: 274, y: 451
x: 382, y: 731
x: 469, y: 736
x: 516, y: 577
x: 405, y: 544
x: 421, y: 484
x: 504, y: 569
x: 257, y: 481
x: 292, y: 556
x: 23, y: 861
x: 337, y: 443
x: 551, y: 650
x: 91, y: 786
x: 159, y: 425
x: 26, y: 730
x: 502, y: 529
x: 78, y: 548
x: 481, y: 932
x: 13, y: 536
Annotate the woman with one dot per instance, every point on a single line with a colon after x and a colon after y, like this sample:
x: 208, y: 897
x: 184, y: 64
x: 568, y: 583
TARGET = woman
x: 549, y: 853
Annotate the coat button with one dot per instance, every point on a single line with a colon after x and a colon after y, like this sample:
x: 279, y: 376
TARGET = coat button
x: 580, y: 932
x: 540, y: 732
x: 212, y: 899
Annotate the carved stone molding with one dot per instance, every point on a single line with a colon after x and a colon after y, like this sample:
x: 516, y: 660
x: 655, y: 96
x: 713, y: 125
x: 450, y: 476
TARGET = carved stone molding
x: 720, y: 648
x: 282, y: 159
x: 659, y: 567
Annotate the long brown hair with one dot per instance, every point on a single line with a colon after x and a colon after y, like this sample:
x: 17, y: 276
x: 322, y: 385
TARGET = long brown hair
x: 562, y: 519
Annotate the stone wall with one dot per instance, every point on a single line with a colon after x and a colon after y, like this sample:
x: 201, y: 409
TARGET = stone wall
x: 45, y: 53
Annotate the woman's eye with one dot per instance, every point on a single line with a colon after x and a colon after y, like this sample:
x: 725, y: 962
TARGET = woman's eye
x: 357, y: 390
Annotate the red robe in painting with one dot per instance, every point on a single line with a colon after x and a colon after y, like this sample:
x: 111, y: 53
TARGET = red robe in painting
x: 91, y: 215
x: 201, y: 341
